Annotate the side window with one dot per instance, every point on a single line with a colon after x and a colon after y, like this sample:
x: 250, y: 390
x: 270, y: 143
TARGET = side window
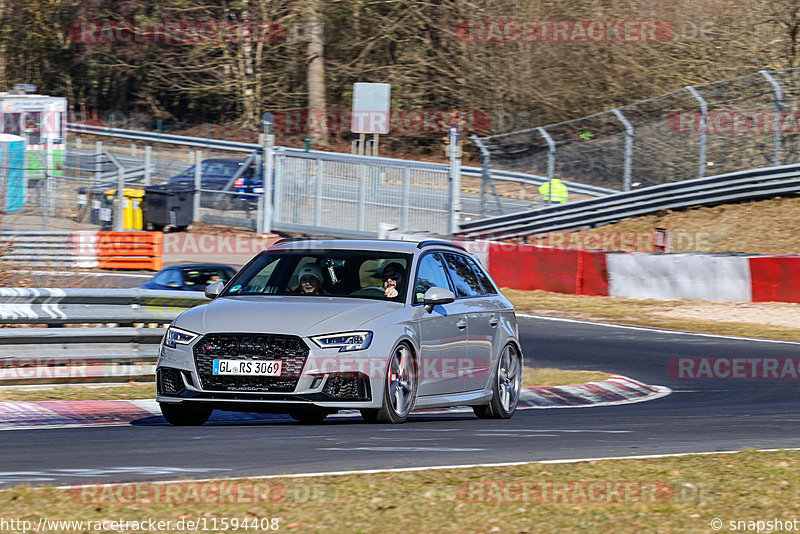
x: 162, y: 277
x: 486, y: 283
x: 464, y: 278
x: 173, y: 275
x: 431, y: 273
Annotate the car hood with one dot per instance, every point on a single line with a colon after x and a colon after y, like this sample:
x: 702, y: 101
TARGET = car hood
x: 302, y: 316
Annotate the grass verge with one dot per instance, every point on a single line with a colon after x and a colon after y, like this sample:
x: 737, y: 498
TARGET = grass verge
x: 531, y: 377
x: 681, y: 494
x: 655, y: 313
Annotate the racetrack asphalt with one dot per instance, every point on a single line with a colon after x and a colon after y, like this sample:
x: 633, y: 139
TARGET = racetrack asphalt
x: 699, y: 416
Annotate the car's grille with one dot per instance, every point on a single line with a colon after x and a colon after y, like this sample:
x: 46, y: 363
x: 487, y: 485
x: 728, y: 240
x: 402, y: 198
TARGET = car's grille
x: 290, y: 350
x: 169, y: 381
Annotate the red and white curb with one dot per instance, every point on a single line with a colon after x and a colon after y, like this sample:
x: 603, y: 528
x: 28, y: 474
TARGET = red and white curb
x: 65, y: 414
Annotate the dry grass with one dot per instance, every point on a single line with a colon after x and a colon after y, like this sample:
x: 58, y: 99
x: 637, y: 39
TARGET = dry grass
x: 660, y: 313
x: 686, y: 494
x: 769, y: 226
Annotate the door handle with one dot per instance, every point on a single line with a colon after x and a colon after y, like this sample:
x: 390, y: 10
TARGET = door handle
x: 494, y: 321
x: 462, y: 324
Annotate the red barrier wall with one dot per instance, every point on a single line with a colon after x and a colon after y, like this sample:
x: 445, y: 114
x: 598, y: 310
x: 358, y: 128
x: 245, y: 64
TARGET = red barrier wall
x: 775, y: 279
x: 593, y: 274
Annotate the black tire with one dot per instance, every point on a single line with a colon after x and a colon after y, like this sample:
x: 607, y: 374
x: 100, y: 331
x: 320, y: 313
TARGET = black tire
x: 309, y: 416
x: 404, y: 381
x: 497, y: 407
x: 184, y: 414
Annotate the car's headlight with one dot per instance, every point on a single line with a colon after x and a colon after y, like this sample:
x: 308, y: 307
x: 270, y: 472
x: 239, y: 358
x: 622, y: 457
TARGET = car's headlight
x: 178, y: 336
x: 345, y: 341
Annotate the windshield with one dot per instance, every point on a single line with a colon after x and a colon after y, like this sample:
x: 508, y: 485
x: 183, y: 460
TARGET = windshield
x: 331, y: 273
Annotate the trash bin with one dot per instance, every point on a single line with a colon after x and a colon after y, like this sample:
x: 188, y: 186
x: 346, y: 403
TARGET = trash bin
x: 168, y: 206
x: 132, y: 209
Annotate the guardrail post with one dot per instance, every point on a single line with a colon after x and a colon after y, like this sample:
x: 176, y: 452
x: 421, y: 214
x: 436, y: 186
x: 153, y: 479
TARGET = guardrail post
x: 454, y: 150
x: 198, y: 183
x: 551, y: 152
x: 776, y: 142
x: 148, y: 162
x: 362, y: 196
x: 626, y: 173
x: 318, y: 194
x: 266, y: 181
x: 701, y: 167
x: 406, y: 199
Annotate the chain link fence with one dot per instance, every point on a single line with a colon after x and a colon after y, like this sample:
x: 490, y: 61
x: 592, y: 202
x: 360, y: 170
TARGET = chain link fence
x: 742, y: 123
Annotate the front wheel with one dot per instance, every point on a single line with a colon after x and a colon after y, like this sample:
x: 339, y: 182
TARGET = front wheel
x: 506, y: 386
x: 400, y: 390
x: 185, y: 415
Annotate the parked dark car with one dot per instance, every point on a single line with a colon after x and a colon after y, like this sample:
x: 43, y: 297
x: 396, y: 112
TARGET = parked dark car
x: 189, y: 277
x: 215, y: 175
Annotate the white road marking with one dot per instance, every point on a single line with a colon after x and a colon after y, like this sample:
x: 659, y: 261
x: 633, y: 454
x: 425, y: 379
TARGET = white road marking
x: 649, y: 329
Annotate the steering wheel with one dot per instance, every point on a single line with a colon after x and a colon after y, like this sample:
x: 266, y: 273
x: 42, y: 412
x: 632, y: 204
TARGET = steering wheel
x: 368, y: 291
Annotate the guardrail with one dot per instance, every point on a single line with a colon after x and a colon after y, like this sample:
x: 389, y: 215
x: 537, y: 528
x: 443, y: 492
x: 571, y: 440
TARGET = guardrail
x: 81, y: 354
x: 730, y: 187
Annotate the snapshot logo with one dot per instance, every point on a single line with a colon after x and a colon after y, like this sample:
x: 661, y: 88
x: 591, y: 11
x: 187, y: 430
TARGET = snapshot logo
x: 581, y: 492
x: 564, y: 31
x: 411, y: 122
x: 734, y: 122
x: 176, y: 32
x: 734, y: 368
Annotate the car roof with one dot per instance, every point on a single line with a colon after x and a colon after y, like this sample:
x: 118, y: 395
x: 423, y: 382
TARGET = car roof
x: 201, y: 266
x: 384, y: 245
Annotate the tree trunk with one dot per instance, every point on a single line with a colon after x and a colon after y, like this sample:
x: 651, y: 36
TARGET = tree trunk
x: 316, y: 74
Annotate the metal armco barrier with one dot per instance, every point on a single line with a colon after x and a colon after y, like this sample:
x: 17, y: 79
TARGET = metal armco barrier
x: 41, y: 355
x: 84, y: 249
x: 742, y: 185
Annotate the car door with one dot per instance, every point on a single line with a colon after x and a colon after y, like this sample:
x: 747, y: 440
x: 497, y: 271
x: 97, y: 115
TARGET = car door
x: 482, y: 320
x: 443, y: 332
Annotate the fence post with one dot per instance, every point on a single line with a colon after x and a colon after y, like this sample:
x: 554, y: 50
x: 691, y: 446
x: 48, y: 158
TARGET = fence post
x: 148, y: 162
x: 626, y: 173
x: 551, y: 152
x: 362, y: 196
x: 776, y: 86
x: 701, y: 167
x: 486, y: 159
x: 280, y: 167
x: 198, y: 183
x: 98, y: 160
x: 266, y: 178
x: 454, y: 150
x: 119, y: 199
x: 406, y: 199
x: 318, y: 194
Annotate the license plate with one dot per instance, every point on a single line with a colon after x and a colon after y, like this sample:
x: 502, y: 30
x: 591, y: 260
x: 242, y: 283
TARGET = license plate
x: 247, y: 367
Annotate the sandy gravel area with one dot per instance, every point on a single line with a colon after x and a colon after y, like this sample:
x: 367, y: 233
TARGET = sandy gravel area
x: 768, y: 313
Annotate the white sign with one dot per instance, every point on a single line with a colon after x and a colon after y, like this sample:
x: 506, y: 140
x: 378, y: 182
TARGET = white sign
x: 371, y: 108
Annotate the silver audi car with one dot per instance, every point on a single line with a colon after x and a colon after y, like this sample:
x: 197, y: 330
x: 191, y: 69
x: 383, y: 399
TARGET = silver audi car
x: 310, y: 327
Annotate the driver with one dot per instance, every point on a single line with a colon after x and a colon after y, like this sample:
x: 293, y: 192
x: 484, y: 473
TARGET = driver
x: 392, y: 278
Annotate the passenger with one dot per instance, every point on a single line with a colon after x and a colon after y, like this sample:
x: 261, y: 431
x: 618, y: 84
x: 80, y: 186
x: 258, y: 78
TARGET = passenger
x: 311, y: 280
x: 392, y: 278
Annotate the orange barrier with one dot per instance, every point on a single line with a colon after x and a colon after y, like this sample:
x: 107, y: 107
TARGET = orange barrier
x: 130, y: 250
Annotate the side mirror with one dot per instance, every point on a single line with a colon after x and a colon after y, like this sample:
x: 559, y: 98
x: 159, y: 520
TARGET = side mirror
x: 436, y: 296
x: 213, y: 290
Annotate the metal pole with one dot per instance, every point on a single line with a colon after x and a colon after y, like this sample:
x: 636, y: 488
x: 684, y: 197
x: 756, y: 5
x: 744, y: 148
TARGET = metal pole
x: 701, y: 166
x: 119, y: 198
x: 486, y: 159
x: 776, y: 86
x: 626, y: 173
x: 455, y: 180
x: 362, y: 196
x: 318, y: 195
x: 148, y: 162
x: 551, y: 153
x: 406, y: 199
x: 49, y: 180
x: 198, y: 184
x: 98, y: 160
x: 266, y: 178
x: 279, y: 181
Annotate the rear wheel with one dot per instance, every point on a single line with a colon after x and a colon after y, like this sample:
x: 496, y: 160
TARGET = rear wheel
x: 400, y: 390
x: 185, y: 414
x: 309, y: 416
x: 506, y: 386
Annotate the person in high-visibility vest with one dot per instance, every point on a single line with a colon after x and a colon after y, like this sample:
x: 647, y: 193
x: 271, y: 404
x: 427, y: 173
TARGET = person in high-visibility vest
x: 554, y: 191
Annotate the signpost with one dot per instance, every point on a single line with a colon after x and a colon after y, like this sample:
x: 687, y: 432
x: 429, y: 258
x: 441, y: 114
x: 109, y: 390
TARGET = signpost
x: 371, y: 113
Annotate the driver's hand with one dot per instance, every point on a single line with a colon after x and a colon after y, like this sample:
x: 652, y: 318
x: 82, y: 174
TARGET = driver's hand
x: 390, y: 292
